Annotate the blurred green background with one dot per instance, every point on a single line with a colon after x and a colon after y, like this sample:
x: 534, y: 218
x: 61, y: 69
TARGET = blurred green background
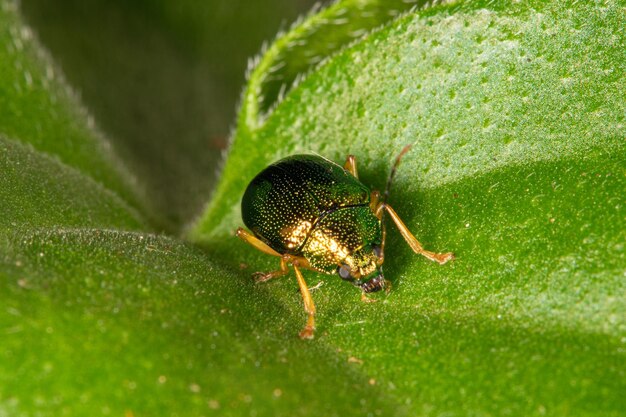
x: 162, y: 79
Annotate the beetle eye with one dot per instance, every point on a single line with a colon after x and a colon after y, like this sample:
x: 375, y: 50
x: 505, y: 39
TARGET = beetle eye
x: 378, y: 251
x: 344, y: 271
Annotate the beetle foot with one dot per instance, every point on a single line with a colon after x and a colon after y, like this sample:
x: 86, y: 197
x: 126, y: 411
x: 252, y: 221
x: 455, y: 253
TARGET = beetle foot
x: 307, y: 333
x: 262, y: 276
x: 366, y: 299
x: 442, y: 258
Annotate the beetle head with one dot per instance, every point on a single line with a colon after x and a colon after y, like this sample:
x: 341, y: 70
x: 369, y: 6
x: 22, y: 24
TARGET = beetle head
x: 375, y: 283
x: 364, y: 268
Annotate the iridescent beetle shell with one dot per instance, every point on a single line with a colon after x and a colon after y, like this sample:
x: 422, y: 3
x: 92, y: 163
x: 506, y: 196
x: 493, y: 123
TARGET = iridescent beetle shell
x: 308, y: 206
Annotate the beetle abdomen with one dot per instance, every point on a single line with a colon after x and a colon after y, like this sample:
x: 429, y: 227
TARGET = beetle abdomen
x: 283, y: 202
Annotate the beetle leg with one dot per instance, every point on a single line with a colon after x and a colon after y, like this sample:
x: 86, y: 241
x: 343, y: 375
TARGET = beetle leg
x: 266, y: 276
x: 417, y: 247
x: 309, y: 307
x: 350, y: 166
x: 381, y: 258
x: 260, y: 245
x: 296, y: 261
x: 256, y: 242
x: 375, y: 204
x: 366, y: 299
x: 284, y: 260
x: 377, y: 208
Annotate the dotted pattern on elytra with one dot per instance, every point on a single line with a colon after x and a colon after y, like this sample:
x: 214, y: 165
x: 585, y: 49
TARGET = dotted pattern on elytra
x: 338, y: 235
x: 284, y: 201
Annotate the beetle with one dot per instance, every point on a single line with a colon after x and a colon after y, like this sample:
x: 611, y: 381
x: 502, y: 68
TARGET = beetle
x: 314, y: 214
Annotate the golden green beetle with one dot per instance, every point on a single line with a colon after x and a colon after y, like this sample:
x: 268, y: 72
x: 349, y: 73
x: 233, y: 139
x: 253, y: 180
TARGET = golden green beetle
x: 314, y: 214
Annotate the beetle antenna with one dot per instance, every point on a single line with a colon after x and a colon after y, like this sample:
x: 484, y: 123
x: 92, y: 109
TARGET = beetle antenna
x: 393, y: 170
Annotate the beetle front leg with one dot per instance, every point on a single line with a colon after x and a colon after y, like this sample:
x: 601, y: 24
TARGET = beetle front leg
x: 417, y: 247
x: 309, y: 306
x: 366, y: 299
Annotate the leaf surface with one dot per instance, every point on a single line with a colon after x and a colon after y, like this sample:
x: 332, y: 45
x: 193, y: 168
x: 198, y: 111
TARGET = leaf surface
x: 516, y: 116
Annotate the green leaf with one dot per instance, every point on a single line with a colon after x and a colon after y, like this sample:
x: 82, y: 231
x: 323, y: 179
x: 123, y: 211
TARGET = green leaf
x: 98, y: 321
x: 38, y: 108
x: 516, y: 114
x: 309, y: 43
x: 37, y: 191
x: 517, y: 120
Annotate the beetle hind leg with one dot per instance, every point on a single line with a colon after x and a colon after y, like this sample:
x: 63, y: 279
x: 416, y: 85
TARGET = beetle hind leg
x: 417, y: 247
x: 254, y: 241
x: 350, y: 166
